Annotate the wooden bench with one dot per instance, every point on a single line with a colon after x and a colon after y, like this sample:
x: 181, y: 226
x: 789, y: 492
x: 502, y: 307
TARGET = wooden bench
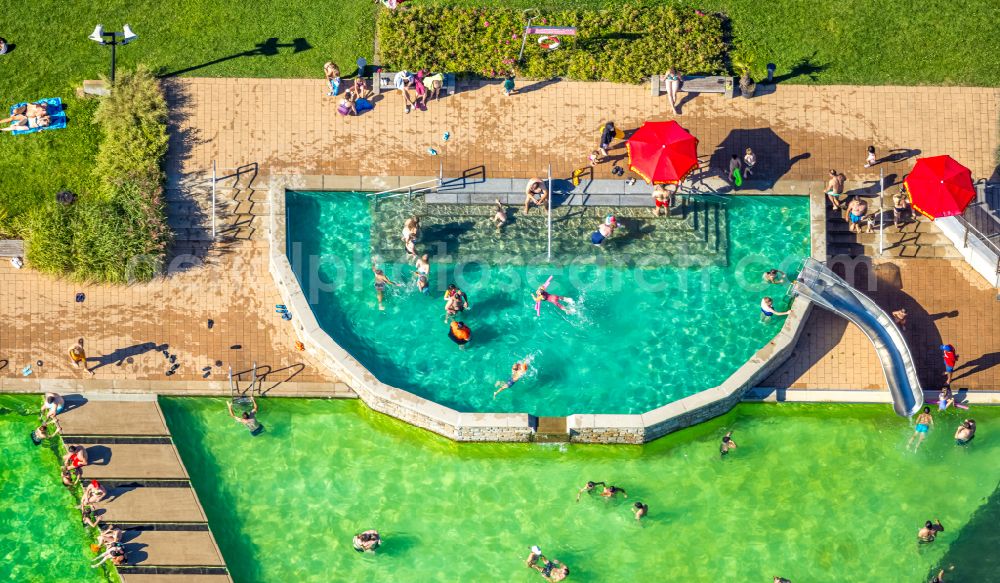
x: 11, y: 248
x: 712, y: 84
x: 383, y: 82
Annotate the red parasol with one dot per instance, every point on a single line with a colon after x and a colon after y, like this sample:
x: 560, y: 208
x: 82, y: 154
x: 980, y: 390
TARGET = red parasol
x: 662, y: 152
x: 940, y: 187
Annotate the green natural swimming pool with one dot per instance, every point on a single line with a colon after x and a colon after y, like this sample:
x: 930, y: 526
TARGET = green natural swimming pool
x: 41, y: 536
x: 814, y: 493
x: 640, y: 337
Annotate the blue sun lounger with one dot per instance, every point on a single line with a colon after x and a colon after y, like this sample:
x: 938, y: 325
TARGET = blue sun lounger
x: 57, y: 116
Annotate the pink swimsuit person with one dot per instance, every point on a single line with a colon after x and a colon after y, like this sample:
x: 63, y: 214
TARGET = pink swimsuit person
x: 544, y: 296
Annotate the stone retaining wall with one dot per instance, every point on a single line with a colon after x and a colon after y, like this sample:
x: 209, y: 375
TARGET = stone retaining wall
x: 588, y: 428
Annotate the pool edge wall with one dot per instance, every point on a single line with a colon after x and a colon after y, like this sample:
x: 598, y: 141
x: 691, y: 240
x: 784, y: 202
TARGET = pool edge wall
x: 509, y: 427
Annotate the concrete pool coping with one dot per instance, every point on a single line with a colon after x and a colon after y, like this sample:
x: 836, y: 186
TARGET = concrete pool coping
x: 517, y: 427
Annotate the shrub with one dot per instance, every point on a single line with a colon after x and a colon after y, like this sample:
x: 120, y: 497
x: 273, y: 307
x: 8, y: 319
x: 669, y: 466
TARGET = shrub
x: 624, y: 45
x: 119, y: 234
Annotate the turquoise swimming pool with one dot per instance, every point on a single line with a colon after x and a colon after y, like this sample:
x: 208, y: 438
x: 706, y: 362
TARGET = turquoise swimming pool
x: 674, y: 317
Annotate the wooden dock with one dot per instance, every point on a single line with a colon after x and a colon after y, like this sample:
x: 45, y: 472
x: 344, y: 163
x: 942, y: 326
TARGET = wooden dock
x: 150, y: 497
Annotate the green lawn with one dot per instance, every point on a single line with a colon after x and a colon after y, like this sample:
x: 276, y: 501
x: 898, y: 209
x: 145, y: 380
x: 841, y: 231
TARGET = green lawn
x: 857, y: 42
x: 52, y: 56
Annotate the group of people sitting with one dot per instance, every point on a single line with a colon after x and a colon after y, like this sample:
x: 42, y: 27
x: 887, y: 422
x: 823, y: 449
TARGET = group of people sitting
x: 28, y: 116
x: 424, y: 86
x: 857, y: 209
x: 109, y: 537
x: 355, y: 99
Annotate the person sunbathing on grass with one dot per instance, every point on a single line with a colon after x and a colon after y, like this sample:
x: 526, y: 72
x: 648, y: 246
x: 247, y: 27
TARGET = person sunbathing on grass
x: 25, y: 122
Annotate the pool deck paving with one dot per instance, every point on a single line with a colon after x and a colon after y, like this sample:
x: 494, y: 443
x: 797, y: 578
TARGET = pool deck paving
x: 149, y: 494
x: 799, y: 132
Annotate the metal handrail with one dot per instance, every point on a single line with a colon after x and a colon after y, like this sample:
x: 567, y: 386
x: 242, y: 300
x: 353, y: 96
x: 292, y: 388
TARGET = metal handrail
x: 985, y: 239
x: 408, y: 188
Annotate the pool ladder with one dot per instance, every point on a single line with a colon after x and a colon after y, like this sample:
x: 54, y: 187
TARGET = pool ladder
x: 234, y: 384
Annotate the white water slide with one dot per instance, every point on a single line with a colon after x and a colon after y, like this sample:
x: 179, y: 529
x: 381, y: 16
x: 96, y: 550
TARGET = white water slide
x: 824, y: 287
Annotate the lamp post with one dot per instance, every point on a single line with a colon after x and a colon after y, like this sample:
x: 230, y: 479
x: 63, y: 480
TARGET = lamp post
x: 114, y: 39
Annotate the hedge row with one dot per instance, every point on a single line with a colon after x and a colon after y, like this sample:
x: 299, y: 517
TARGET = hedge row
x: 119, y: 234
x: 622, y: 45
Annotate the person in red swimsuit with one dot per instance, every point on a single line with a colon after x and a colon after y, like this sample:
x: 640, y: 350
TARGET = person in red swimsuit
x: 950, y: 358
x: 76, y: 458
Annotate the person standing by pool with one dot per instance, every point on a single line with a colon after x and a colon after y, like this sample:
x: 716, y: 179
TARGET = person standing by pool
x: 835, y: 188
x: 775, y: 276
x: 53, y: 404
x: 332, y: 72
x: 516, y: 372
x: 735, y: 171
x: 508, y: 85
x: 727, y: 444
x: 380, y: 282
x: 535, y: 187
x: 749, y: 161
x: 661, y: 200
x: 855, y: 213
x: 588, y: 488
x: 924, y: 423
x: 608, y: 135
x: 900, y: 206
x: 899, y: 317
x: 248, y: 418
x: 78, y: 356
x: 965, y: 432
x: 928, y: 533
x: 950, y: 358
x: 640, y: 510
x: 767, y: 310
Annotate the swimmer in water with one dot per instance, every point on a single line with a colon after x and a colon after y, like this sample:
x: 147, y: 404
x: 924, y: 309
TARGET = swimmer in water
x: 554, y: 571
x: 640, y: 510
x: 516, y: 372
x: 423, y: 265
x: 499, y: 215
x: 380, y: 282
x: 455, y: 301
x: 589, y: 489
x: 541, y: 295
x: 928, y: 533
x: 422, y: 284
x: 248, y: 418
x: 71, y: 477
x: 774, y: 276
x: 924, y: 423
x: 41, y: 433
x: 965, y: 432
x: 459, y: 333
x: 611, y: 491
x: 767, y: 310
x: 727, y: 444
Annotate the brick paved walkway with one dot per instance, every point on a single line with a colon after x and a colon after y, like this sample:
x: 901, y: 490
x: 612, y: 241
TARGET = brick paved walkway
x: 947, y: 302
x: 126, y: 328
x: 799, y: 132
x: 289, y: 126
